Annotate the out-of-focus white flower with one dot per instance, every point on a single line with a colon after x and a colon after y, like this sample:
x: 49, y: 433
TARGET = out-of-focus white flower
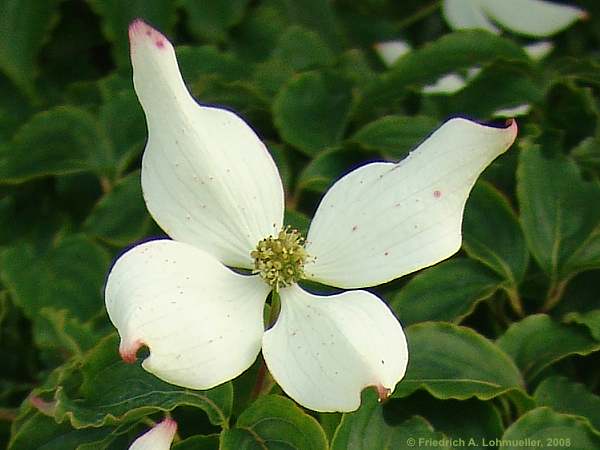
x: 535, y: 18
x: 391, y: 51
x: 158, y: 438
x: 211, y: 184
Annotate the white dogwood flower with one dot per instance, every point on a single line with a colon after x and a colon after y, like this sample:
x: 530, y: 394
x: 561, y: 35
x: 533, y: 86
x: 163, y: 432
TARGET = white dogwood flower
x: 158, y: 438
x: 535, y: 18
x: 212, y: 186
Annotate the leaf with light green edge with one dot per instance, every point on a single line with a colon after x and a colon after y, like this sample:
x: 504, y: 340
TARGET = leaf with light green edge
x: 273, y: 421
x: 538, y: 341
x: 328, y: 166
x: 568, y: 397
x: 124, y: 124
x: 452, y: 52
x: 42, y: 432
x: 25, y: 26
x: 117, y: 15
x: 120, y: 216
x: 209, y: 442
x: 367, y: 429
x: 395, y: 136
x: 112, y: 392
x: 211, y: 20
x: 302, y: 49
x: 450, y: 361
x: 551, y: 430
x: 60, y: 141
x: 69, y: 275
x: 590, y: 319
x: 312, y: 110
x: 214, y: 62
x: 561, y: 226
x: 499, y: 85
x: 492, y: 234
x: 457, y: 419
x: 448, y: 291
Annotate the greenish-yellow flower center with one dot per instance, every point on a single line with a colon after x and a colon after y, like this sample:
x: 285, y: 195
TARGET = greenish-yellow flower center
x: 280, y: 261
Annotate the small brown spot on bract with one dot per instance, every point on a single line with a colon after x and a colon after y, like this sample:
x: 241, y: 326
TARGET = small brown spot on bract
x: 148, y: 33
x: 386, y: 253
x: 437, y: 194
x: 355, y: 227
x: 159, y: 43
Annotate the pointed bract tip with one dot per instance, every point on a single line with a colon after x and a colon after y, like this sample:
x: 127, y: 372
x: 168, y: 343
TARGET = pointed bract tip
x: 382, y: 392
x: 169, y: 425
x: 140, y: 31
x: 128, y: 350
x: 514, y: 128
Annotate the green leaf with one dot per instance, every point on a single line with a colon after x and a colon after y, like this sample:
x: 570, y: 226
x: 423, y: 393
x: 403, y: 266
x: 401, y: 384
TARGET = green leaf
x: 68, y: 275
x: 210, y: 442
x: 117, y: 15
x: 450, y: 53
x: 561, y: 226
x: 311, y: 111
x: 63, y: 140
x: 42, y: 432
x: 493, y: 235
x: 470, y: 420
x: 124, y: 123
x: 112, y: 391
x: 590, y: 319
x: 566, y: 396
x: 395, y: 136
x: 120, y: 217
x: 24, y: 27
x: 302, y: 49
x: 543, y: 427
x: 455, y: 362
x: 498, y: 86
x: 317, y: 15
x: 448, y: 291
x: 367, y: 429
x: 211, y: 19
x: 273, y: 421
x: 325, y: 169
x: 537, y: 341
x: 214, y: 63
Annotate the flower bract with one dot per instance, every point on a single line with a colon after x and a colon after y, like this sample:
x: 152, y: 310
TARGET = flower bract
x: 158, y: 438
x: 212, y: 186
x: 536, y: 18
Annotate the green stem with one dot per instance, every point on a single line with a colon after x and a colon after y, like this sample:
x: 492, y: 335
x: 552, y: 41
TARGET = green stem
x: 555, y: 293
x: 420, y: 14
x: 262, y: 370
x: 515, y: 301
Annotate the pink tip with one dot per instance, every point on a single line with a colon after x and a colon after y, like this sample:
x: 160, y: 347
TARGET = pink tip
x: 169, y: 424
x: 140, y: 31
x: 128, y: 350
x: 383, y: 392
x: 42, y: 406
